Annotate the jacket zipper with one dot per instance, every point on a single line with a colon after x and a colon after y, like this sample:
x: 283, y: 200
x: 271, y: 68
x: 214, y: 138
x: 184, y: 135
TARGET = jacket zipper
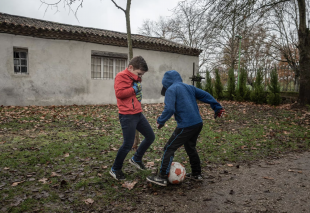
x: 133, y: 105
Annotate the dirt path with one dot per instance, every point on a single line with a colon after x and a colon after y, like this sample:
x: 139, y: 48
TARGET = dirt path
x: 269, y: 185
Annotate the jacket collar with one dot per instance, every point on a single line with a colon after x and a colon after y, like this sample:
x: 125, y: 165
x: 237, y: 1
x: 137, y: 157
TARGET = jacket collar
x: 132, y: 76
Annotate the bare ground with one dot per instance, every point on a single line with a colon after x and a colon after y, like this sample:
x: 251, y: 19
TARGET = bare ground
x: 269, y: 185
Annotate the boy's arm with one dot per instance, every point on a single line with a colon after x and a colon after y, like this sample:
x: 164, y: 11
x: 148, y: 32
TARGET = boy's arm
x: 207, y: 98
x: 122, y: 88
x: 169, y: 107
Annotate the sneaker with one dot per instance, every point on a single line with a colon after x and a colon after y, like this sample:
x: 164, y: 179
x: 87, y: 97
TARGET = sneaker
x: 117, y: 174
x: 162, y: 181
x: 194, y: 177
x: 139, y: 164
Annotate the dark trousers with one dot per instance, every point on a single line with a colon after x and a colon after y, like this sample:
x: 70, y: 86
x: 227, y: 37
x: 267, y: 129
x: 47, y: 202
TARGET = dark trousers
x: 187, y: 137
x: 131, y: 123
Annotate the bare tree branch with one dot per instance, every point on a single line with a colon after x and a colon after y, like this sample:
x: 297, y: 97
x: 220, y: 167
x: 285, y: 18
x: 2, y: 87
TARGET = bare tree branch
x: 116, y: 5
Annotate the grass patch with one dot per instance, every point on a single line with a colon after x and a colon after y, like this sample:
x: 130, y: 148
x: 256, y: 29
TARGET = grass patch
x: 61, y: 156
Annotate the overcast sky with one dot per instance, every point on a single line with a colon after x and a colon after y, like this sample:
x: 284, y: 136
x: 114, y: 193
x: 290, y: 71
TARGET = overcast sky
x: 100, y: 14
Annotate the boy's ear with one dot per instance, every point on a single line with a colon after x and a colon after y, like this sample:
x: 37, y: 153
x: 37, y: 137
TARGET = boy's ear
x: 130, y: 68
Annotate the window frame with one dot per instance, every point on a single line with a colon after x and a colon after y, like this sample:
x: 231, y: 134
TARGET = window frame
x: 106, y: 57
x: 20, y: 65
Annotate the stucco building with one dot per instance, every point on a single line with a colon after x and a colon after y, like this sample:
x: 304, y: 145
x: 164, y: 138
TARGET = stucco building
x: 48, y: 63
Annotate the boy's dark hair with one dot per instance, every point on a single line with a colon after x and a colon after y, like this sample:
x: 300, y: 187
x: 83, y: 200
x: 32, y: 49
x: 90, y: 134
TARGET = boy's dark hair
x: 139, y: 63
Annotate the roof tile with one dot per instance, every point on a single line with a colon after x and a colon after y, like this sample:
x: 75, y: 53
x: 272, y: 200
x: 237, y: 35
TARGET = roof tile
x: 46, y: 29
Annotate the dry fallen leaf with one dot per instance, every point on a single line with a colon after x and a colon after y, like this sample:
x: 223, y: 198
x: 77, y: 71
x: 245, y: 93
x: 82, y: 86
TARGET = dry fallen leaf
x: 6, y: 168
x: 150, y: 164
x: 89, y: 201
x: 66, y: 155
x: 129, y: 185
x: 229, y: 164
x: 243, y: 147
x: 100, y: 175
x: 157, y: 159
x: 16, y: 183
x: 54, y: 174
x: 268, y: 178
x: 43, y: 180
x: 104, y: 167
x: 294, y: 171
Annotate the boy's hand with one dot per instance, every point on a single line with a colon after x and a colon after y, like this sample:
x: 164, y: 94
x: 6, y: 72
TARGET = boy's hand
x: 137, y: 87
x: 159, y: 126
x: 219, y: 113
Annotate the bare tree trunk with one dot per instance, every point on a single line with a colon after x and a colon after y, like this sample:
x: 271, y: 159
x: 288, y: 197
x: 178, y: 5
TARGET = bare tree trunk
x: 130, y: 52
x: 129, y: 41
x: 304, y: 50
x: 130, y: 55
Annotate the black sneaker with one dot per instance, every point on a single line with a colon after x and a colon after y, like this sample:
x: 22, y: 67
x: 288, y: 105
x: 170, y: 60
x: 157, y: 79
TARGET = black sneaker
x: 117, y: 174
x: 139, y: 165
x: 162, y: 181
x: 194, y: 177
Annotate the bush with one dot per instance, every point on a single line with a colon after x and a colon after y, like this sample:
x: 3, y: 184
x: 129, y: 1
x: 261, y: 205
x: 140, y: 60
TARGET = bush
x: 243, y: 93
x: 258, y: 94
x: 218, y: 87
x: 273, y: 97
x: 231, y: 87
x: 208, y: 86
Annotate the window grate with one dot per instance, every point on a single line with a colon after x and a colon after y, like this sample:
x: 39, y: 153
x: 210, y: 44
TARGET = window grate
x: 20, y: 61
x: 106, y: 68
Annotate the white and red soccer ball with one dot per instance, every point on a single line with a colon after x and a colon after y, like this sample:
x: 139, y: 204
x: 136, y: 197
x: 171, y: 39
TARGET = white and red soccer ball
x: 177, y: 173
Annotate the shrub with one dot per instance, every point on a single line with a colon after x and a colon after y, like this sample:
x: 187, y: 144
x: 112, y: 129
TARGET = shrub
x: 273, y: 97
x: 218, y: 87
x: 242, y: 93
x: 258, y: 94
x: 208, y: 86
x: 231, y: 87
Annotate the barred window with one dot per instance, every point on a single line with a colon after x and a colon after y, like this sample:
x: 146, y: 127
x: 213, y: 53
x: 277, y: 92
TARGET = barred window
x: 20, y: 61
x: 106, y: 68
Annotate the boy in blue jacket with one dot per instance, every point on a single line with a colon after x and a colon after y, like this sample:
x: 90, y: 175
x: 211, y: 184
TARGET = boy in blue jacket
x: 180, y: 101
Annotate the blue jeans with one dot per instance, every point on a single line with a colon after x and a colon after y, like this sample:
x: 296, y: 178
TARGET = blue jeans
x: 131, y: 123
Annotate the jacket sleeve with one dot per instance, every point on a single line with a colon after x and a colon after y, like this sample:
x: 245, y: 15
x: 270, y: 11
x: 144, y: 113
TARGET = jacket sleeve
x: 123, y: 88
x: 169, y: 109
x: 207, y: 98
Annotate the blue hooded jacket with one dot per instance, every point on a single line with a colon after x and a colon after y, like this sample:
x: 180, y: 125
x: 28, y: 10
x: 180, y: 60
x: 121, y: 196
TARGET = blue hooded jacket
x: 180, y: 101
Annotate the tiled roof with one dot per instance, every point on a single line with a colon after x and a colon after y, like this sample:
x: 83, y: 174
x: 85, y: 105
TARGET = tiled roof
x: 19, y: 25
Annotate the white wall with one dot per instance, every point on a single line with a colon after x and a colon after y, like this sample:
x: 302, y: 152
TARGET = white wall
x: 60, y: 72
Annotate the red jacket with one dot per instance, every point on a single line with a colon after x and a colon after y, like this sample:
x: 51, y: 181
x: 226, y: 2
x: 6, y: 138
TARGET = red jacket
x: 127, y: 102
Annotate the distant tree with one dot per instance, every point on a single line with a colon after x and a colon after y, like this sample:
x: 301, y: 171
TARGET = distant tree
x: 187, y: 25
x: 257, y: 93
x: 218, y: 87
x: 231, y: 86
x: 243, y: 93
x: 208, y: 86
x: 273, y: 97
x: 222, y: 14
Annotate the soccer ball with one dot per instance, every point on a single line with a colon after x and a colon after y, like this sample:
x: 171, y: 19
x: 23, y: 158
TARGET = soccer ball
x: 177, y: 173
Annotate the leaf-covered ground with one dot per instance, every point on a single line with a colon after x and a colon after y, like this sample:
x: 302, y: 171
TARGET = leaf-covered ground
x: 57, y: 158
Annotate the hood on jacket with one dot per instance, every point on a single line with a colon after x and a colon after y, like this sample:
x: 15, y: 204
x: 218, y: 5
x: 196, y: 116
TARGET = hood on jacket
x: 169, y: 78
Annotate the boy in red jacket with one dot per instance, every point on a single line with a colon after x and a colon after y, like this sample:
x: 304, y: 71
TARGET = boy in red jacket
x: 128, y: 91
